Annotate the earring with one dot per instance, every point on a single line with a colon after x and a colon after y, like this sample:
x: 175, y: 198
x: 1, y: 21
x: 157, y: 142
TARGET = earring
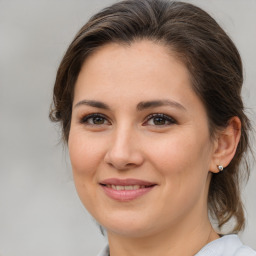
x: 220, y: 168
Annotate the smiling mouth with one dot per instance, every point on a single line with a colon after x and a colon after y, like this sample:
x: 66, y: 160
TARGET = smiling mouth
x: 131, y: 187
x: 126, y: 190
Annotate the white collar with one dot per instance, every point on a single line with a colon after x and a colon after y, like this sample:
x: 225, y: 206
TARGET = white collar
x: 229, y: 245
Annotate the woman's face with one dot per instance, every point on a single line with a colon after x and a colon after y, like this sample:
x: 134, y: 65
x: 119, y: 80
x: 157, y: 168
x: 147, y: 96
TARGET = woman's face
x: 139, y: 141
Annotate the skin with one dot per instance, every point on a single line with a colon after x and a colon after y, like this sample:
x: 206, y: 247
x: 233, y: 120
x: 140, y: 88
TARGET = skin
x: 126, y: 142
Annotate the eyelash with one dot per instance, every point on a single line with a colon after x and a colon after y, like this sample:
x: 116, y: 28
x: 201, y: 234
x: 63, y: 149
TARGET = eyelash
x: 85, y: 119
x: 162, y: 117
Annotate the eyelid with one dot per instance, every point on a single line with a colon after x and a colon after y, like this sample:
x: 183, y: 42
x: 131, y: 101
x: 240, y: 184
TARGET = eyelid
x: 85, y: 118
x: 166, y: 117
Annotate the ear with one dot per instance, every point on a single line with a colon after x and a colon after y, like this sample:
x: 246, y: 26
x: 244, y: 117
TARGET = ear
x: 226, y: 144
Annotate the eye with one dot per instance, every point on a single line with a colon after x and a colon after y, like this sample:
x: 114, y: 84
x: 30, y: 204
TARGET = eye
x: 159, y: 120
x: 95, y: 119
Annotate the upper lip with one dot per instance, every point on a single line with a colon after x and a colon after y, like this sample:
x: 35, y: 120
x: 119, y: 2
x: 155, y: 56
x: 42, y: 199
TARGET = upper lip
x: 126, y: 182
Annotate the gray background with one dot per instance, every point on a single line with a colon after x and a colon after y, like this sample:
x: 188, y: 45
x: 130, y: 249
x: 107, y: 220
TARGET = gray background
x: 40, y: 213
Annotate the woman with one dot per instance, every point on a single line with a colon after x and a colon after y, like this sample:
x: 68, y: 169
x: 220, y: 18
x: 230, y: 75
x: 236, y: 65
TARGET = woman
x: 148, y: 95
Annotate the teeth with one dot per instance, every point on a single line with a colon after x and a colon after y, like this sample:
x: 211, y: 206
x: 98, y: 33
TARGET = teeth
x: 131, y: 187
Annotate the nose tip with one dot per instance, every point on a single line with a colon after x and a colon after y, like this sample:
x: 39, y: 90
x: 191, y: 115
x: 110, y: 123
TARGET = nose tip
x: 119, y: 162
x: 124, y: 154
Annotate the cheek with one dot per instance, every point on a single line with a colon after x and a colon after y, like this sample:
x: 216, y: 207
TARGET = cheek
x: 85, y: 154
x: 176, y: 152
x: 85, y: 158
x: 183, y: 159
x: 184, y: 176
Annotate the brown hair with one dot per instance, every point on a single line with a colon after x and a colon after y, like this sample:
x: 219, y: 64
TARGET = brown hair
x: 213, y: 62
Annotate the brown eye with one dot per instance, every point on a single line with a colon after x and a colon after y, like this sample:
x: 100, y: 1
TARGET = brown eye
x: 98, y: 120
x: 95, y: 119
x: 159, y: 120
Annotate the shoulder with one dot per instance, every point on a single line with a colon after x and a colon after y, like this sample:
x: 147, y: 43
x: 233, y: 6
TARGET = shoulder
x: 104, y: 252
x: 245, y: 251
x: 229, y: 245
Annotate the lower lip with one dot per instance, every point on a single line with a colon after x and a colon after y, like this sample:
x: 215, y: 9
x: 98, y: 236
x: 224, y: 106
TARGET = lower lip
x: 126, y: 195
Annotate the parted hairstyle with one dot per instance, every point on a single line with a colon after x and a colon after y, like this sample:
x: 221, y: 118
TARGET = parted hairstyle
x: 213, y: 62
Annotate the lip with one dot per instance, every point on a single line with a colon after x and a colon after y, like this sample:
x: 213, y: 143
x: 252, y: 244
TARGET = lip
x: 126, y: 182
x: 126, y: 195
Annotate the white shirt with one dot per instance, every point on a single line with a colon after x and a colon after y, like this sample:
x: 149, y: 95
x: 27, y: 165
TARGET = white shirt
x: 229, y: 245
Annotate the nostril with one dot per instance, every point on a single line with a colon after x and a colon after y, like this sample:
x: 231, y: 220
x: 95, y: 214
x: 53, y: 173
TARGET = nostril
x: 123, y: 157
x: 130, y: 164
x: 121, y: 166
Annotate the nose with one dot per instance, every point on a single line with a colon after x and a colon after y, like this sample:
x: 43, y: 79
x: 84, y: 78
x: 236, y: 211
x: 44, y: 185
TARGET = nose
x: 124, y: 151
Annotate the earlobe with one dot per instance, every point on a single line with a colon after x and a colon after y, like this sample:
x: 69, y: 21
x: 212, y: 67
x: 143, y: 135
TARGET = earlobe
x: 226, y: 145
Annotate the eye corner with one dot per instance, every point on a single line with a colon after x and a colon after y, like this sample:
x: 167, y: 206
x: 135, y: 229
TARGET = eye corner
x: 159, y: 120
x: 94, y: 119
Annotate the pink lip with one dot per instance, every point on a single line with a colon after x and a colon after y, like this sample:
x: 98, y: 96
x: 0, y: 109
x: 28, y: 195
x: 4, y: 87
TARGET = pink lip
x: 126, y: 195
x: 126, y: 182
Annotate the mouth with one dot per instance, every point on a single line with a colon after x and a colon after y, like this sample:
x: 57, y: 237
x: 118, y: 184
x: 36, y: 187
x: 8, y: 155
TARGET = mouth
x: 131, y: 187
x: 126, y: 189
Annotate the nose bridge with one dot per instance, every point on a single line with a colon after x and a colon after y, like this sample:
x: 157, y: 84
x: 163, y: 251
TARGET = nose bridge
x: 123, y: 151
x: 122, y: 137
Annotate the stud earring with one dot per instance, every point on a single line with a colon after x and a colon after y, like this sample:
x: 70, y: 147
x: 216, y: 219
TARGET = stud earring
x: 220, y: 168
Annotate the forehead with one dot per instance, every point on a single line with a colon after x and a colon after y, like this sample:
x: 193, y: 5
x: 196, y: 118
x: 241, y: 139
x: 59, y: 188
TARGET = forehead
x: 138, y: 66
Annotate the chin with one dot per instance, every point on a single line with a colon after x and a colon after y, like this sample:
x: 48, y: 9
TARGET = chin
x: 127, y: 225
x: 129, y: 231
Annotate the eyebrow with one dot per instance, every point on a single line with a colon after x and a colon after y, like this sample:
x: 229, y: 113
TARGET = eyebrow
x: 92, y: 103
x: 140, y: 107
x: 159, y: 103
